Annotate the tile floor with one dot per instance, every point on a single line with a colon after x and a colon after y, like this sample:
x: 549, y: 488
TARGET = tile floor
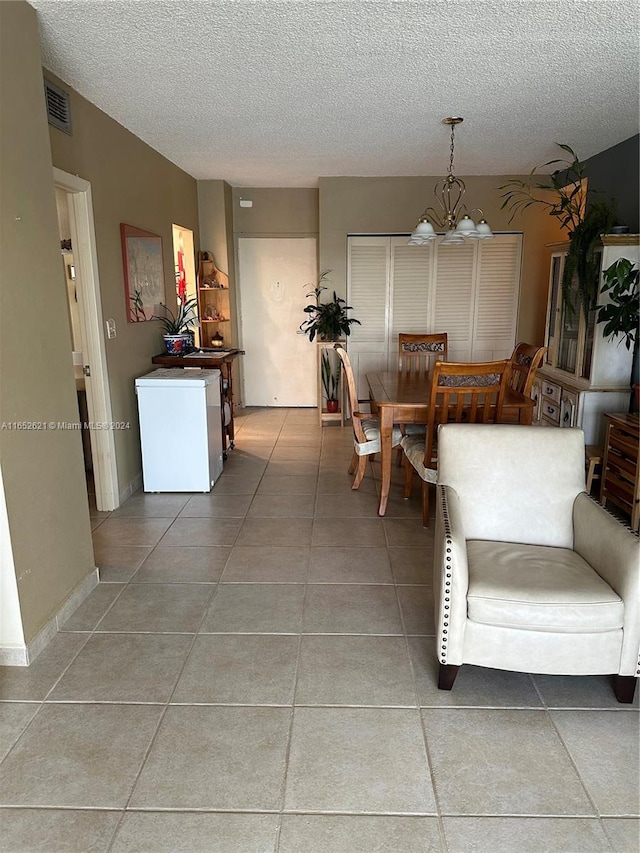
x: 256, y: 674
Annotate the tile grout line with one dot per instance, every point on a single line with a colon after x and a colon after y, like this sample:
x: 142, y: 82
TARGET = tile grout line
x: 154, y: 736
x: 425, y: 742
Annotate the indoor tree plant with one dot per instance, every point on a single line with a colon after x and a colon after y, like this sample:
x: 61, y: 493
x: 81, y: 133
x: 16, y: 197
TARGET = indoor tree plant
x: 178, y: 328
x: 564, y: 195
x: 327, y: 320
x: 621, y: 313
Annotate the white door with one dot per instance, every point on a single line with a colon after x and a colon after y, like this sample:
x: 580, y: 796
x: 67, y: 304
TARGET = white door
x: 274, y: 276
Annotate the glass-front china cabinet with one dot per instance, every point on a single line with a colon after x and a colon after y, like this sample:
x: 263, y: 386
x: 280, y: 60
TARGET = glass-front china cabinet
x: 584, y: 374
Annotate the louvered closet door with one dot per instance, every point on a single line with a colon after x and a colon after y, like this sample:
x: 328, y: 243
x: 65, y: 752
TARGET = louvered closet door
x: 411, y: 286
x: 368, y: 295
x: 497, y: 293
x: 469, y: 291
x: 454, y: 297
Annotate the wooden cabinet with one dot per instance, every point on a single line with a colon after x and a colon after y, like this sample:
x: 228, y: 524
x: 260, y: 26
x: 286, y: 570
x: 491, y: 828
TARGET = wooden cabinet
x: 469, y: 291
x: 584, y: 374
x: 214, y: 305
x: 620, y: 465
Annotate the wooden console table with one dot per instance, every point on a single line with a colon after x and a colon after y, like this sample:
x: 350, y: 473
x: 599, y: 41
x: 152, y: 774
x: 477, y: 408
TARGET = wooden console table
x: 621, y: 464
x: 211, y: 359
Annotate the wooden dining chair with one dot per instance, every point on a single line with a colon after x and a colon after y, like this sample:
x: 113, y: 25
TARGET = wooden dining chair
x: 417, y: 353
x: 366, y: 426
x: 460, y: 393
x: 523, y: 365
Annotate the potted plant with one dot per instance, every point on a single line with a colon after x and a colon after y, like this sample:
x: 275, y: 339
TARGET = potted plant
x: 330, y: 381
x: 621, y: 313
x: 178, y: 328
x: 565, y: 197
x: 327, y: 320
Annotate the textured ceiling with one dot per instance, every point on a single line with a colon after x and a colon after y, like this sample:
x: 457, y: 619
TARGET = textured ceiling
x: 280, y: 92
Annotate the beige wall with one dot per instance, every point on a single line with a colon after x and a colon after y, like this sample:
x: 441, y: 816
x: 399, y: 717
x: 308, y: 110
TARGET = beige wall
x: 43, y: 471
x: 276, y: 211
x: 215, y: 212
x: 393, y: 205
x: 130, y: 183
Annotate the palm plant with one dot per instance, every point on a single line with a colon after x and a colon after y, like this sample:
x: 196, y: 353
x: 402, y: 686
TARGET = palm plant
x: 567, y: 203
x: 566, y: 183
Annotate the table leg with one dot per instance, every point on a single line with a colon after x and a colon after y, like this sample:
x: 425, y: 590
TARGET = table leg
x: 386, y: 452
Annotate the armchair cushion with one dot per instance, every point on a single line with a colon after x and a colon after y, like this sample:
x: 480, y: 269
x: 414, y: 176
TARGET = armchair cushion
x: 538, y: 588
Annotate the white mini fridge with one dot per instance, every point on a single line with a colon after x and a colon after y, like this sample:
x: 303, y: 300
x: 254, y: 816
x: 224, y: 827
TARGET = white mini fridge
x: 180, y: 429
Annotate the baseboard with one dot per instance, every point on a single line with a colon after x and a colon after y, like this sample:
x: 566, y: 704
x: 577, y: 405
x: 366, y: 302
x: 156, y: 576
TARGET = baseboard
x: 130, y: 489
x: 25, y: 654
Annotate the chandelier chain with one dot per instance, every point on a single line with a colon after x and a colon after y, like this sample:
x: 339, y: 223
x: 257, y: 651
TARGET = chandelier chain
x: 453, y: 127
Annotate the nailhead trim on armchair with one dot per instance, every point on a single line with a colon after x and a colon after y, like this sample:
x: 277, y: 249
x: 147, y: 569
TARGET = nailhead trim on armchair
x: 443, y: 640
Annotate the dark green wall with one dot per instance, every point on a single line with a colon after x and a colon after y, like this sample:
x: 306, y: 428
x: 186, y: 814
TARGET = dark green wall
x: 614, y: 173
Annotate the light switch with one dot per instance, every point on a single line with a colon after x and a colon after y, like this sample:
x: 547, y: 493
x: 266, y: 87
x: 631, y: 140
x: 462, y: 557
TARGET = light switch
x: 111, y: 328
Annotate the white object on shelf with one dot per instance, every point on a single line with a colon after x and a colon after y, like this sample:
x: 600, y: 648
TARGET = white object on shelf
x: 180, y: 429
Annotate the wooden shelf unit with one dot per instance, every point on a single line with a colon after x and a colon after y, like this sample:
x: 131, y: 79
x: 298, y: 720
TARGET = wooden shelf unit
x: 621, y: 465
x: 214, y: 305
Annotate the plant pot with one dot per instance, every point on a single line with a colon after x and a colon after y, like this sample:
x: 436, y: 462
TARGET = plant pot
x: 332, y: 406
x: 177, y: 344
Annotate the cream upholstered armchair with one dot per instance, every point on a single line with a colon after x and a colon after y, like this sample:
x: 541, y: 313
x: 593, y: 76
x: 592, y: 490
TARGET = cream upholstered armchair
x: 531, y: 574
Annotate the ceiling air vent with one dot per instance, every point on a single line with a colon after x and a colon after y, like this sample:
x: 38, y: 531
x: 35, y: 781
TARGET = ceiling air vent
x: 58, y: 106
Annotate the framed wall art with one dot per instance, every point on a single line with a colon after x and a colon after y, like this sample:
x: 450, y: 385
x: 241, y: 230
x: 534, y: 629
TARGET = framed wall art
x: 143, y: 273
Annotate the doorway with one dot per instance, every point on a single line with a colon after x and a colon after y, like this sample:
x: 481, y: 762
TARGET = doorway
x: 275, y: 274
x: 89, y: 361
x: 70, y: 277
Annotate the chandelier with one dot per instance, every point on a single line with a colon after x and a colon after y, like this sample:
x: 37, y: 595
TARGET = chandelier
x: 454, y: 217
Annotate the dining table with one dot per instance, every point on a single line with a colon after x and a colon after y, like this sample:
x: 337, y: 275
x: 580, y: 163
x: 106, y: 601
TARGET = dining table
x: 398, y: 398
